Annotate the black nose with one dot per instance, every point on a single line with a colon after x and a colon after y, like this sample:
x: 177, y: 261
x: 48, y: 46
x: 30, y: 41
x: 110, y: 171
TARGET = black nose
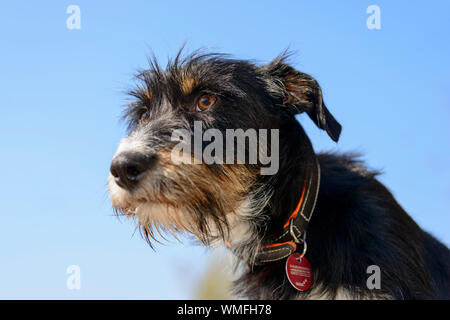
x: 128, y: 168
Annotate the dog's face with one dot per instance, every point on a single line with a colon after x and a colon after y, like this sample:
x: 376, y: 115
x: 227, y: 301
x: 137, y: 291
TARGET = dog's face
x: 212, y: 92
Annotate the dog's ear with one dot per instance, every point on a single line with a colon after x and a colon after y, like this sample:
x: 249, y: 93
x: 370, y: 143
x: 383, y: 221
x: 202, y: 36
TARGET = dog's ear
x: 299, y: 92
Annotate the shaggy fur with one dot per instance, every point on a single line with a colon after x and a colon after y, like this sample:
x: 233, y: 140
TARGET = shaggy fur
x: 356, y: 222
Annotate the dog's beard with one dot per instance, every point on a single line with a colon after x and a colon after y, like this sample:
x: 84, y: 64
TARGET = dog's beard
x: 184, y: 199
x: 159, y: 216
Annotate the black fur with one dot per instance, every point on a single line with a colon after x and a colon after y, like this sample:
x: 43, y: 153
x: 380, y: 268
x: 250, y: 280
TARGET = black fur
x: 356, y: 222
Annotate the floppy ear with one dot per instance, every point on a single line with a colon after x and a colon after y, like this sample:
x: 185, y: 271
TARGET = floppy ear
x: 299, y: 92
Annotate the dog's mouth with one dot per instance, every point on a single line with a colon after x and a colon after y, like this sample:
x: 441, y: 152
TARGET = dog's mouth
x: 181, y: 198
x: 158, y: 214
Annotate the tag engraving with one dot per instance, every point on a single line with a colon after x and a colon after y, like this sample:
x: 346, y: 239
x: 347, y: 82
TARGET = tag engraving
x: 299, y: 272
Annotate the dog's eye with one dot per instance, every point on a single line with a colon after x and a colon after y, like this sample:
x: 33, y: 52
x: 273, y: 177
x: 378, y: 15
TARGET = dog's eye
x: 143, y: 118
x: 205, y: 102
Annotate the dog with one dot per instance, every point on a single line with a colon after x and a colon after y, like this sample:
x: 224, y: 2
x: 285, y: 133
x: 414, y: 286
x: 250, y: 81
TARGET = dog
x: 311, y: 230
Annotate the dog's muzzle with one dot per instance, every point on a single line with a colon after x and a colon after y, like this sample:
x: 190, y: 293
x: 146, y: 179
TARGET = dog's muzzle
x: 128, y: 168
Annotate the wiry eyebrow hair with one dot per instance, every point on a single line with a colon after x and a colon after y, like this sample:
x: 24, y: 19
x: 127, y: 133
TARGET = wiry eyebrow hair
x: 181, y: 76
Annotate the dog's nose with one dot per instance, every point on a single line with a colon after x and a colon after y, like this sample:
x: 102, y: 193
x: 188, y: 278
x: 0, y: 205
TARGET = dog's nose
x: 128, y: 168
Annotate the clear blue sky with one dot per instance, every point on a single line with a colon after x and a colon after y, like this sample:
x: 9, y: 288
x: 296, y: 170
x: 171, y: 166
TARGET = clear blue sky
x: 61, y: 95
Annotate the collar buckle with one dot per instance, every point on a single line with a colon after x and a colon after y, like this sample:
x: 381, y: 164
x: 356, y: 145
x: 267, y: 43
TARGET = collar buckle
x: 291, y: 231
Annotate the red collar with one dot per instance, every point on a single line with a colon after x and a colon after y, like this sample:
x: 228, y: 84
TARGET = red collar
x: 283, y: 245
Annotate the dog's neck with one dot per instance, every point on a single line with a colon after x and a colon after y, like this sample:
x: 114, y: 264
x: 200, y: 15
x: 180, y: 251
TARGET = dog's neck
x: 279, y: 245
x: 298, y: 165
x: 265, y: 213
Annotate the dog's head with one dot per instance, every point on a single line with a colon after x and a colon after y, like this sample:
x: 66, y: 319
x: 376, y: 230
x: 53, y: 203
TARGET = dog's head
x: 195, y: 102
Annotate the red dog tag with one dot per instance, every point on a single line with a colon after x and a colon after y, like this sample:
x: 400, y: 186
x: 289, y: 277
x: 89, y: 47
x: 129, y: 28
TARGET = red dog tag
x: 299, y: 272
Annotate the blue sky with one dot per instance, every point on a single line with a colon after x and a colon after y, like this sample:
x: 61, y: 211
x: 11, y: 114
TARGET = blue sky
x: 62, y: 93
